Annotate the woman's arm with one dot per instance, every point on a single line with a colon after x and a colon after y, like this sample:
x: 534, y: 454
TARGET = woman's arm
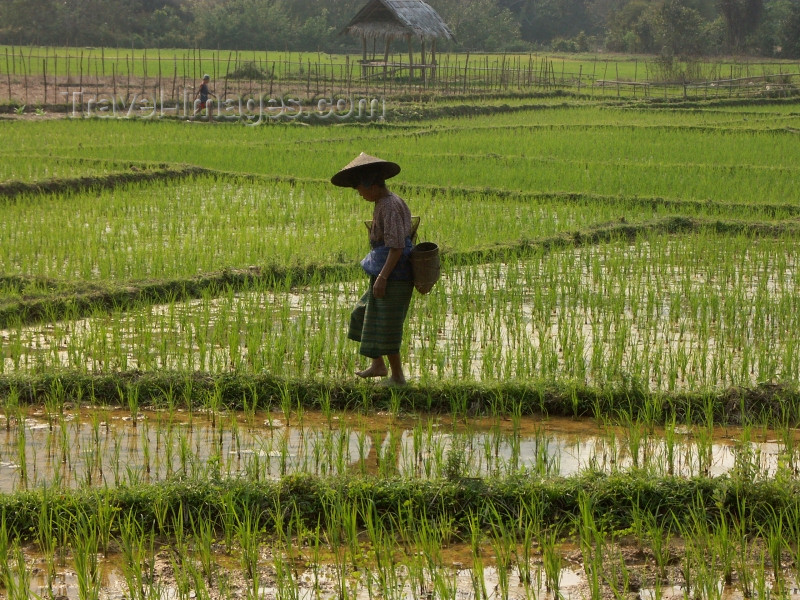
x: 379, y: 287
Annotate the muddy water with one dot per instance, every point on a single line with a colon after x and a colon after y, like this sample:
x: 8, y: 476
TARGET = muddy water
x: 98, y: 446
x: 459, y: 576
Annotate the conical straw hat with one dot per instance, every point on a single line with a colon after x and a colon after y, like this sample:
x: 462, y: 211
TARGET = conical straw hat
x: 362, y: 162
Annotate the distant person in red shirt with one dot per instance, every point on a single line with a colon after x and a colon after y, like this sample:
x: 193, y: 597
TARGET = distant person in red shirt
x: 203, y: 93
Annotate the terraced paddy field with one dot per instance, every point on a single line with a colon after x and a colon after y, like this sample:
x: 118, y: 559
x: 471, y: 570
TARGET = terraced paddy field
x: 603, y: 399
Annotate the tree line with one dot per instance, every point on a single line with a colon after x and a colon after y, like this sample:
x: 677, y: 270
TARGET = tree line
x: 666, y: 27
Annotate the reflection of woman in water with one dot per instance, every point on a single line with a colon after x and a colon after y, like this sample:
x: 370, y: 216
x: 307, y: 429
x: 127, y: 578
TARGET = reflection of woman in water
x: 203, y: 93
x: 377, y: 320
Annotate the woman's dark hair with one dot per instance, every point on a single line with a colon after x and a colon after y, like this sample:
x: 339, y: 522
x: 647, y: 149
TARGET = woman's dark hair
x: 369, y: 177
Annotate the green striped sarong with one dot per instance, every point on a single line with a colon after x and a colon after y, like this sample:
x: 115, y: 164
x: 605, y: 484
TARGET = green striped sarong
x: 377, y: 323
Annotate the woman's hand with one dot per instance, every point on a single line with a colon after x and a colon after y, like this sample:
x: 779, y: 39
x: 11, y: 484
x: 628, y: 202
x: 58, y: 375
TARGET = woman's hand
x: 379, y: 287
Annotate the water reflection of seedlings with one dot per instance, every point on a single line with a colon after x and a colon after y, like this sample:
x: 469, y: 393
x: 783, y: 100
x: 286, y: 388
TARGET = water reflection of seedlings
x: 703, y: 444
x: 22, y: 444
x: 54, y: 401
x: 102, y: 448
x: 636, y: 437
x: 10, y: 405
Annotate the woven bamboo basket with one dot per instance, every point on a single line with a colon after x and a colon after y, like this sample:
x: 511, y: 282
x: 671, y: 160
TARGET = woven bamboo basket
x: 426, y: 266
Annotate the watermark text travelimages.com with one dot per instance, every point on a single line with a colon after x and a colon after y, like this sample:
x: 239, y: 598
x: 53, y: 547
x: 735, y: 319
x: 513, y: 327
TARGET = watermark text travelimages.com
x: 251, y: 111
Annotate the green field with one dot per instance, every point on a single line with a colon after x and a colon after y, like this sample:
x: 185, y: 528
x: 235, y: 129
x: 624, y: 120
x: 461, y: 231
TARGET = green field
x: 177, y: 389
x: 51, y: 79
x: 561, y: 198
x: 180, y: 63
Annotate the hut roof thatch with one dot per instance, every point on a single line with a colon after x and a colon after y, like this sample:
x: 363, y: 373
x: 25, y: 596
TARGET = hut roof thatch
x: 398, y: 19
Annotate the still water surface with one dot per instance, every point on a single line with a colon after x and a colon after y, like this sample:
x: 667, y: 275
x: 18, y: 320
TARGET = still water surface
x: 100, y: 446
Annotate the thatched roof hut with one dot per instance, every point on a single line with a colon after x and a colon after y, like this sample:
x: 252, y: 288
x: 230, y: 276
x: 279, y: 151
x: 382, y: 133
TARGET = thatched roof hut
x: 391, y: 19
x: 404, y: 19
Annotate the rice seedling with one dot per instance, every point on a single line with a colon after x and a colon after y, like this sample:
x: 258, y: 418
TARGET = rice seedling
x: 445, y: 585
x: 138, y: 558
x: 54, y: 401
x: 285, y: 576
x: 529, y: 525
x: 617, y: 576
x: 761, y: 587
x: 182, y: 577
x: 552, y: 560
x: 248, y: 536
x: 775, y: 542
x: 10, y: 407
x: 594, y: 563
x: 379, y: 538
x: 5, y: 549
x: 659, y: 536
x: 793, y: 535
x: 723, y: 550
x: 504, y: 543
x: 85, y: 556
x: 477, y: 571
x: 17, y: 577
x: 200, y: 588
x: 203, y: 540
x: 47, y: 539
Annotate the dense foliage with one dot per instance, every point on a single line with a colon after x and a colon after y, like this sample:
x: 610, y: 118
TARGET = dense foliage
x: 669, y: 27
x: 615, y: 501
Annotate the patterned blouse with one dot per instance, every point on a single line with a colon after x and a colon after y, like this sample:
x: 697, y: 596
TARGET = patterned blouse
x: 391, y: 222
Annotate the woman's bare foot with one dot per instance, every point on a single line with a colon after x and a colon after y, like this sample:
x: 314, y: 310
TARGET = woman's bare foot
x: 373, y: 371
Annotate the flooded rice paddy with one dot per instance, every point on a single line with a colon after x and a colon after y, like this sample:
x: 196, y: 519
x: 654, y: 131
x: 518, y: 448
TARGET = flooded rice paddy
x: 97, y: 446
x: 669, y: 315
x: 456, y: 581
x: 88, y: 446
